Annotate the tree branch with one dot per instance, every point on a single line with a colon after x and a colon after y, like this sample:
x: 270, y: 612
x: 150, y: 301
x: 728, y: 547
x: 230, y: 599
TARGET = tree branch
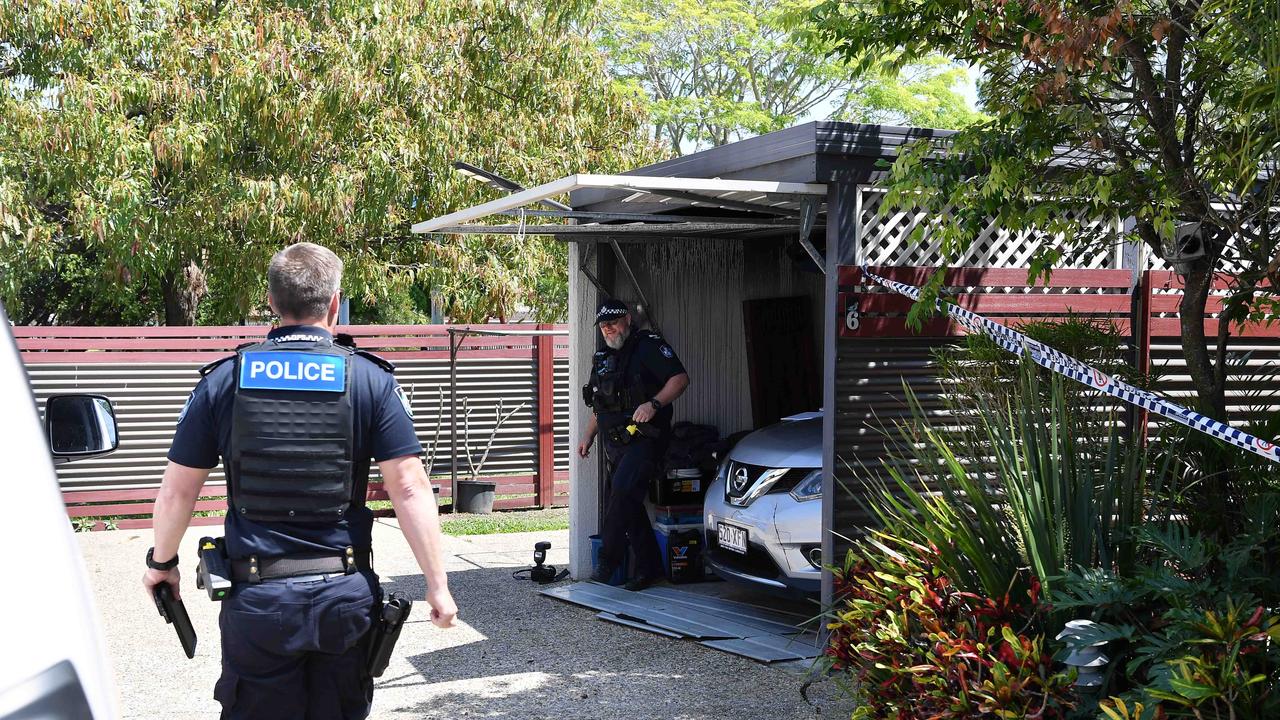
x: 1161, y: 122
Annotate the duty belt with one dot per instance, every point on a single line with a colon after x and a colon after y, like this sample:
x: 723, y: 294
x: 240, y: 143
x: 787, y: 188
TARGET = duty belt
x: 625, y: 434
x: 255, y: 569
x: 618, y: 435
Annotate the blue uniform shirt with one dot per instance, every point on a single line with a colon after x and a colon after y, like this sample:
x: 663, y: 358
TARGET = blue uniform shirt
x: 383, y: 430
x: 654, y: 362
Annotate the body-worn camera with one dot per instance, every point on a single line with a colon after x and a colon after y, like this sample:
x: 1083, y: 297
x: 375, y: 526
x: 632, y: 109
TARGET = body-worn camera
x: 213, y: 573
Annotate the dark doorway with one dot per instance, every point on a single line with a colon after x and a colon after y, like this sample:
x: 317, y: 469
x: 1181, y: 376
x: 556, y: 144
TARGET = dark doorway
x: 780, y: 358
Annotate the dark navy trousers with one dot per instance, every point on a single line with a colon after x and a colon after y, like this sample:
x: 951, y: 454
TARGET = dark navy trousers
x: 295, y: 648
x: 625, y: 520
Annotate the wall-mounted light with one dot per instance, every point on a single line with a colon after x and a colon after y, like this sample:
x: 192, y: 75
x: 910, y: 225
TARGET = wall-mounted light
x: 1184, y: 248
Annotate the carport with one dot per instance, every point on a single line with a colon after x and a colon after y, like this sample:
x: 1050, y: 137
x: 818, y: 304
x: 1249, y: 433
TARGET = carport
x: 737, y: 255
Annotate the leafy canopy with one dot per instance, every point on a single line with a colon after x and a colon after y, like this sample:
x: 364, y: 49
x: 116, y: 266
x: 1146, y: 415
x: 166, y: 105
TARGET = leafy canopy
x: 1160, y: 112
x: 713, y: 72
x: 173, y: 146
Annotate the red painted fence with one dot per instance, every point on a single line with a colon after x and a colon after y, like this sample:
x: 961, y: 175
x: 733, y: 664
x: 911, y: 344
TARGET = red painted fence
x: 1145, y: 301
x: 66, y: 359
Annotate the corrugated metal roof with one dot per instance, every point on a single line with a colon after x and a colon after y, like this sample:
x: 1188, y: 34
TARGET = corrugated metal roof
x: 764, y: 196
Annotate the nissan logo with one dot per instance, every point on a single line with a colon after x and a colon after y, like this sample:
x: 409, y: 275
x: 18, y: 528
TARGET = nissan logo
x: 740, y: 479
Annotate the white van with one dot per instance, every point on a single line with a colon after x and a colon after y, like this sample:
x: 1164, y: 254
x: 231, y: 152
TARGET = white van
x: 52, y: 663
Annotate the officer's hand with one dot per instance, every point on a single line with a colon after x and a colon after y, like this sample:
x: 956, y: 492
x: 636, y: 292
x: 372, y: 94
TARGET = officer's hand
x: 584, y: 447
x: 443, y: 609
x: 644, y: 413
x: 151, y: 578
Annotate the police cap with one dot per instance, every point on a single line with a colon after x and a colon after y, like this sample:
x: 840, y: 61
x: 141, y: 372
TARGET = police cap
x: 610, y: 309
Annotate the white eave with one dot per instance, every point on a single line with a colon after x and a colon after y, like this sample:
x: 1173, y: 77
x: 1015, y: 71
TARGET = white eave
x: 706, y: 192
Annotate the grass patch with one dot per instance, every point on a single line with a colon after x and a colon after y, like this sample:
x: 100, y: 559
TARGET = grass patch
x: 506, y: 522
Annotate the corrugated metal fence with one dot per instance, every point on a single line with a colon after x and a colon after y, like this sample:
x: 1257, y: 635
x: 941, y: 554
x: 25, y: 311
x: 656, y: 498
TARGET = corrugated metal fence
x: 149, y: 372
x: 878, y: 353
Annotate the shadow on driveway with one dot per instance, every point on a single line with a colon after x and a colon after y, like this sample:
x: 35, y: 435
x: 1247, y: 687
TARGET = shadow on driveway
x: 530, y: 656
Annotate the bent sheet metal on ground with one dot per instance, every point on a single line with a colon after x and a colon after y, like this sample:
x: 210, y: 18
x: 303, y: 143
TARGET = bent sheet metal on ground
x: 738, y: 628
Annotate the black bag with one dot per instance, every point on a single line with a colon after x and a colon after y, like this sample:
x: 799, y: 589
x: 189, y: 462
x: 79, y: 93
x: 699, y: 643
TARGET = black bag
x: 691, y: 446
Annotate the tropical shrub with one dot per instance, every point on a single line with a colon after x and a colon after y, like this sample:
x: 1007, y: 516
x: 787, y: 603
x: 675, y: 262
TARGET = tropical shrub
x: 1024, y: 481
x: 1193, y: 632
x: 1031, y: 486
x: 917, y: 646
x: 982, y: 369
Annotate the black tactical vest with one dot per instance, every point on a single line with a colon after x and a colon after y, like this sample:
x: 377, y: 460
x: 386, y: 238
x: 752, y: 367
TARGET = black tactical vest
x: 616, y: 386
x: 291, y: 434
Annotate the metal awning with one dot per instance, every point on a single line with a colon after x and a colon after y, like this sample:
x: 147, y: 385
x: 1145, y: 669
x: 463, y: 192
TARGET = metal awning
x: 775, y: 203
x: 632, y: 230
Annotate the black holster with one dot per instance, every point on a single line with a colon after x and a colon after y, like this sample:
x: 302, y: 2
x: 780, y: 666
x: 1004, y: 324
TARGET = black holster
x: 618, y: 435
x: 386, y: 631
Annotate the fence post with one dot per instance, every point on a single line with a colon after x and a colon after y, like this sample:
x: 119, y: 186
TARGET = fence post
x: 1140, y: 328
x: 544, y: 356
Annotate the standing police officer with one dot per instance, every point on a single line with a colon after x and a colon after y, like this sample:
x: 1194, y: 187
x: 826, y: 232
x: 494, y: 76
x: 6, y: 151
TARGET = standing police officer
x: 296, y: 420
x: 633, y: 382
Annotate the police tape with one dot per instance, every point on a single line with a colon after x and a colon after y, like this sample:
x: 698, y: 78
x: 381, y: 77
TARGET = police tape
x: 1063, y: 364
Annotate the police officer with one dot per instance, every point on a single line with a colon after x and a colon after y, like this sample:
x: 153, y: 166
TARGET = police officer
x: 296, y: 420
x: 634, y: 380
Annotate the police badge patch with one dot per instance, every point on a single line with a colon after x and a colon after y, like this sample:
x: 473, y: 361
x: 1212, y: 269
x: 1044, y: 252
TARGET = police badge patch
x: 666, y: 351
x: 185, y: 407
x: 404, y: 401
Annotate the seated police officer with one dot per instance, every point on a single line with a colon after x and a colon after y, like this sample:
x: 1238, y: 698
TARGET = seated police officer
x: 634, y: 380
x: 296, y: 420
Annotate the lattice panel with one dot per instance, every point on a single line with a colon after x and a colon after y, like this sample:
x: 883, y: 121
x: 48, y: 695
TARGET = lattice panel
x: 885, y: 239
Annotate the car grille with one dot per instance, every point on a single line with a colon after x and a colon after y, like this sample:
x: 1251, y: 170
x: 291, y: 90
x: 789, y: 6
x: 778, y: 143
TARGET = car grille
x: 741, y: 480
x: 757, y: 562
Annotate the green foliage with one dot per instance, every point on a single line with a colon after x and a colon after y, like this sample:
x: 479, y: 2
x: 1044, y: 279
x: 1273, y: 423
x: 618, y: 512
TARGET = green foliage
x: 89, y: 524
x: 177, y: 145
x: 1219, y: 485
x: 712, y: 72
x: 505, y: 522
x: 923, y: 94
x: 1158, y: 111
x: 987, y: 370
x: 1023, y: 479
x: 1028, y: 485
x: 1192, y: 631
x: 919, y: 647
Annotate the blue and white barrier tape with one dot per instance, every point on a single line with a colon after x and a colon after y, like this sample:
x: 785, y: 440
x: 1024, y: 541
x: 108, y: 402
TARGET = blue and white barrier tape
x: 1063, y: 364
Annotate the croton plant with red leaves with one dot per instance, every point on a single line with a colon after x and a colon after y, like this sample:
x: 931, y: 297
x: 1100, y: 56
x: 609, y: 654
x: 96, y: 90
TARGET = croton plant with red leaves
x: 918, y: 648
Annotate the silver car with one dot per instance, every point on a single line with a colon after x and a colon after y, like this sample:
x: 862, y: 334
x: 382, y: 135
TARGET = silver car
x: 762, y: 512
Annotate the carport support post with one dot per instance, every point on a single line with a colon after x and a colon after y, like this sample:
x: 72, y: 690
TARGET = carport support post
x: 584, y: 475
x: 842, y: 219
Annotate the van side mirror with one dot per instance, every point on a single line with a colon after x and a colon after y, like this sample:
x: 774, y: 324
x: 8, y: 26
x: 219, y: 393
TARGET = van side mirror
x: 80, y: 426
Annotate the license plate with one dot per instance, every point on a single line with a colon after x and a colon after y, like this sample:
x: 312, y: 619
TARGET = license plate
x: 732, y: 537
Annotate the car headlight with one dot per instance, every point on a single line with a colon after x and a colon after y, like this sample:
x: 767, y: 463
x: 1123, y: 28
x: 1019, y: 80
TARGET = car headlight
x: 810, y: 488
x: 722, y: 472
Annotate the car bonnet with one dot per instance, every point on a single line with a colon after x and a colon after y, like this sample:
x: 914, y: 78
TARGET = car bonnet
x: 792, y: 444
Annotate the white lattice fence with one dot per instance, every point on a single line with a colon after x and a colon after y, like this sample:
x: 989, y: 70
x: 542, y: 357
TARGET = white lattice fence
x: 885, y: 238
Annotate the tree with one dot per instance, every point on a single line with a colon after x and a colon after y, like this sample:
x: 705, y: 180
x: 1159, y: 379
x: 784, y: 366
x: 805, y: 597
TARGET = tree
x: 175, y: 145
x: 712, y: 72
x: 1163, y: 112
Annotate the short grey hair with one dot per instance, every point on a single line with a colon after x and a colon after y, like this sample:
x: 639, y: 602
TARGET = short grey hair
x: 302, y: 279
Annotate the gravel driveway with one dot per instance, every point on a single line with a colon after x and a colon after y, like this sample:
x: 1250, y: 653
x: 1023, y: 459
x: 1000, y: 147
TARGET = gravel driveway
x: 514, y: 654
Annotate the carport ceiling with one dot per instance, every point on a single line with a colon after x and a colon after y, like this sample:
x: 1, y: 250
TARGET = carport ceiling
x: 767, y: 209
